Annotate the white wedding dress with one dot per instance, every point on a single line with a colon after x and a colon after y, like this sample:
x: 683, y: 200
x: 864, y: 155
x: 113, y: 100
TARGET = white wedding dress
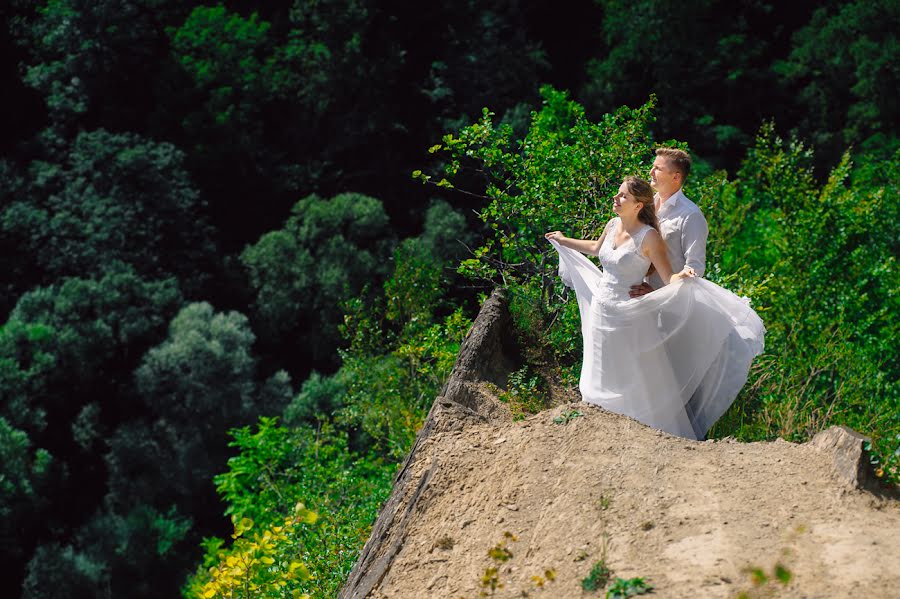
x: 674, y: 359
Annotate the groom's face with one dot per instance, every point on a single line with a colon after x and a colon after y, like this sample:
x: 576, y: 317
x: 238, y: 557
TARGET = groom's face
x: 663, y: 178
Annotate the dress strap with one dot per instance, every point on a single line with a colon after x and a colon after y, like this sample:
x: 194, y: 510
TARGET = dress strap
x: 638, y: 238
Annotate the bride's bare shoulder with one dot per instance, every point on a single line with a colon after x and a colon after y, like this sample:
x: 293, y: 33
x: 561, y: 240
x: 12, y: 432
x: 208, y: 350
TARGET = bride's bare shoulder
x: 653, y: 240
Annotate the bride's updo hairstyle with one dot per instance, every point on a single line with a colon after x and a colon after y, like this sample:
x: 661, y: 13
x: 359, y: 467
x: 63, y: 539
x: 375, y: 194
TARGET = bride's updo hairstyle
x: 643, y: 193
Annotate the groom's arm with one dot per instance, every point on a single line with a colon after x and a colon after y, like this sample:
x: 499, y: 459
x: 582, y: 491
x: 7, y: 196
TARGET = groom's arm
x: 694, y: 232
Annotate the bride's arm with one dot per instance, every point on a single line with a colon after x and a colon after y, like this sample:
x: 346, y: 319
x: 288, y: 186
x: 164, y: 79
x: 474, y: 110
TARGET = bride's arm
x: 585, y: 246
x: 655, y: 249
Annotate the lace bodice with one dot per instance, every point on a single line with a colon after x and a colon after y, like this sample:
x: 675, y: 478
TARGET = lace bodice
x: 623, y: 266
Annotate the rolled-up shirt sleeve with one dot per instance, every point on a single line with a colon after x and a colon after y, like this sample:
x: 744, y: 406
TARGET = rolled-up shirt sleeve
x: 694, y: 232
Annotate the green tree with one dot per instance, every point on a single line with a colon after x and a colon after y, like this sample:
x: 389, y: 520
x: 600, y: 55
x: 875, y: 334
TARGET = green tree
x: 844, y: 65
x: 97, y: 63
x: 66, y: 356
x: 296, y: 102
x: 559, y: 176
x: 158, y: 498
x: 714, y: 89
x: 112, y: 198
x: 111, y: 555
x: 199, y: 382
x: 277, y: 469
x: 26, y: 475
x: 824, y: 258
x: 325, y: 253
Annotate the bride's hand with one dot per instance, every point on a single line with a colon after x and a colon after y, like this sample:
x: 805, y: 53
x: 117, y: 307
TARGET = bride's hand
x: 555, y: 235
x: 686, y: 273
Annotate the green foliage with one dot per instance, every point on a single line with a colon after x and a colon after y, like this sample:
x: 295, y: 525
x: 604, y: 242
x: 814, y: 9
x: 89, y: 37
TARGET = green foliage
x: 622, y: 588
x: 259, y: 566
x: 95, y: 61
x: 130, y: 124
x: 24, y: 470
x: 347, y: 433
x: 525, y: 393
x: 93, y: 323
x: 199, y: 381
x: 204, y: 369
x: 824, y: 285
x: 276, y: 469
x: 445, y: 232
x: 307, y: 96
x: 225, y: 54
x: 597, y: 577
x: 843, y: 62
x: 547, y: 323
x: 111, y: 198
x: 705, y: 86
x: 27, y: 475
x: 389, y: 394
x: 567, y: 417
x: 26, y: 361
x: 319, y: 398
x: 412, y: 293
x: 108, y: 549
x: 559, y: 176
x: 400, y: 352
x: 59, y: 571
x: 66, y: 356
x: 302, y: 273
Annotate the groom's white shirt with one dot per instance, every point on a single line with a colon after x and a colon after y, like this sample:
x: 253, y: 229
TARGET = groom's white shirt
x: 684, y: 229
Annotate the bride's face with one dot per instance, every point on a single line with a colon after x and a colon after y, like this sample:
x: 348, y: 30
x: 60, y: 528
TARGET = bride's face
x: 624, y: 202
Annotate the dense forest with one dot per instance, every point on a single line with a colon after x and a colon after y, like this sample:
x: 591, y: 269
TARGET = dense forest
x: 241, y: 243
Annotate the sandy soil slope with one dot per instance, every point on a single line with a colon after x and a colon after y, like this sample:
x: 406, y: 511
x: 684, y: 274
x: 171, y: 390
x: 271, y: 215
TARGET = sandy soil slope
x: 689, y: 517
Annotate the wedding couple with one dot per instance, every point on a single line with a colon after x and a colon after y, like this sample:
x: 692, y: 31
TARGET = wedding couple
x: 661, y: 344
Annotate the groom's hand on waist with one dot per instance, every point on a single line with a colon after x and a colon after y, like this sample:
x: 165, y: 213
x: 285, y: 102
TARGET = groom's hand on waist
x: 639, y: 290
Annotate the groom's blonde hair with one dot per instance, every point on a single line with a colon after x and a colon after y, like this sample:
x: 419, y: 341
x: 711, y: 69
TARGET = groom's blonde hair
x: 679, y: 160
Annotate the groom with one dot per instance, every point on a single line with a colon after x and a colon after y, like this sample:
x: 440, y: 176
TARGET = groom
x: 685, y: 231
x: 680, y: 220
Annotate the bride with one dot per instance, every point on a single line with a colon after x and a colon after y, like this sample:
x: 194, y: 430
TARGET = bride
x: 646, y: 357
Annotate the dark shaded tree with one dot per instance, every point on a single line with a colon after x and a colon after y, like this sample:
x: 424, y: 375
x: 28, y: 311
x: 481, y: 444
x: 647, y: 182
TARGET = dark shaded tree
x: 111, y: 198
x: 66, y: 354
x: 301, y: 274
x: 844, y: 66
x: 707, y: 61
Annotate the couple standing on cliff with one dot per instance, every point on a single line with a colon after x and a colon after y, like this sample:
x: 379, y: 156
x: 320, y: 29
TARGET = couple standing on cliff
x: 661, y: 344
